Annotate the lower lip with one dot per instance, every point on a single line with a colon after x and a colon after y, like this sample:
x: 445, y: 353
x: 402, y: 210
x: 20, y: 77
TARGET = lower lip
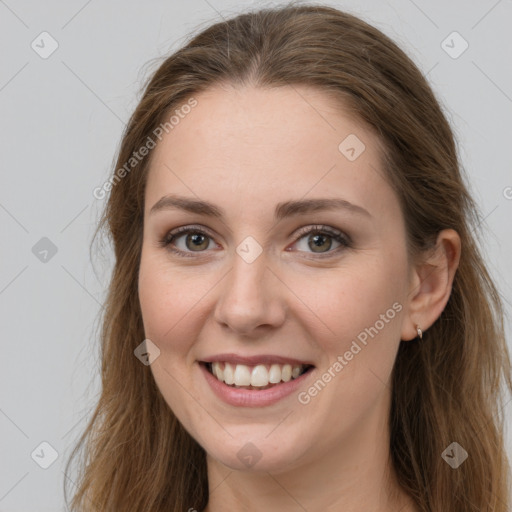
x: 250, y: 397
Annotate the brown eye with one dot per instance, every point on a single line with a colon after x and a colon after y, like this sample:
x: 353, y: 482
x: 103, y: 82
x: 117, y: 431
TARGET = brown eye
x: 198, y: 241
x: 318, y: 242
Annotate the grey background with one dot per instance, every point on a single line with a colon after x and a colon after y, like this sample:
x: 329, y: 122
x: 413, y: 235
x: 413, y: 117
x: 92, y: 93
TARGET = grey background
x: 61, y: 122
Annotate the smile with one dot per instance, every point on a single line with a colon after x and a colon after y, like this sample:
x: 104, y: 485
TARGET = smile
x: 267, y: 393
x: 259, y: 376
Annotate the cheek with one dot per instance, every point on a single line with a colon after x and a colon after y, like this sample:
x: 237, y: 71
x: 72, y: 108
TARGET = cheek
x: 167, y: 299
x: 174, y: 309
x: 361, y: 303
x: 162, y: 306
x: 166, y: 313
x: 362, y: 308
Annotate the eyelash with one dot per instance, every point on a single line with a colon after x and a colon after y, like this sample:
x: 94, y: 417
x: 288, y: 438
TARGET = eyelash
x: 340, y: 237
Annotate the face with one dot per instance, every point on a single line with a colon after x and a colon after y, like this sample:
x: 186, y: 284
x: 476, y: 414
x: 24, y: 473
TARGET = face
x: 261, y: 281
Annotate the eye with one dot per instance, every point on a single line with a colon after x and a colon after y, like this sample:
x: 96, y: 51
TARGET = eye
x: 197, y: 240
x: 318, y: 238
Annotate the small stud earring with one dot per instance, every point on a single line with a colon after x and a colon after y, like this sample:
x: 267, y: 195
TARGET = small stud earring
x: 420, y: 332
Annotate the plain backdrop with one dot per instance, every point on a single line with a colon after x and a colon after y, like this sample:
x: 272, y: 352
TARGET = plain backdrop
x: 62, y: 115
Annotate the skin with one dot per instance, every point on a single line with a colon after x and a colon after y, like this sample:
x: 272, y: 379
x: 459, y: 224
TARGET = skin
x: 246, y: 150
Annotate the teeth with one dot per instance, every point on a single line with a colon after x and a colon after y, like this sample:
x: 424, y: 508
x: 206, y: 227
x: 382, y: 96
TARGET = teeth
x: 258, y: 376
x: 242, y: 375
x: 229, y: 377
x: 274, y: 375
x: 286, y: 372
x: 218, y: 371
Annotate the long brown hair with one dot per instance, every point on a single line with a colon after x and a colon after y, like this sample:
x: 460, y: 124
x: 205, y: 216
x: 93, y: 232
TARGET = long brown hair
x: 136, y: 455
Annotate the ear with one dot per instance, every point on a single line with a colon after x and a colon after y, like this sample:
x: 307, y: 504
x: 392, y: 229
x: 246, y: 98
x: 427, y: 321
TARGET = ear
x: 431, y: 284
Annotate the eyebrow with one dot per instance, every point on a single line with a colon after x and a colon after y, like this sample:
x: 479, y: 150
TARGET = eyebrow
x: 282, y: 210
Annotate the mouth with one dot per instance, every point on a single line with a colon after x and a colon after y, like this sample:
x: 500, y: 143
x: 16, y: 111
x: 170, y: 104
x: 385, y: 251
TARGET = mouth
x: 255, y: 377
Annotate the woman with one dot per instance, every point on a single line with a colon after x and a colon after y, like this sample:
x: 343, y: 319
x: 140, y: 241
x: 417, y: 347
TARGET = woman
x: 299, y: 317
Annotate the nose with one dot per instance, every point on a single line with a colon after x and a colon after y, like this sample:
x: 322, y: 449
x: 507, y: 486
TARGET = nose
x: 251, y: 298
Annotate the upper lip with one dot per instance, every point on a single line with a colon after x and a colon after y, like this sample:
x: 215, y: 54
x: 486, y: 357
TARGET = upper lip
x: 254, y: 360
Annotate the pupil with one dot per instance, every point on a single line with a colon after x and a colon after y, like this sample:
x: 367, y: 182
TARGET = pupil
x: 195, y: 238
x: 316, y: 242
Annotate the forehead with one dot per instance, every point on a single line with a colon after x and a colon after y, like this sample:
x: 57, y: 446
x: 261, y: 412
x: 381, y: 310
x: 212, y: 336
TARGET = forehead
x: 268, y: 144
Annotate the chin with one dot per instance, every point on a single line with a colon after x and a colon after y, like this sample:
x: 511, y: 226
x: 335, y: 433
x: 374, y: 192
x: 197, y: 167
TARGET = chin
x: 255, y: 454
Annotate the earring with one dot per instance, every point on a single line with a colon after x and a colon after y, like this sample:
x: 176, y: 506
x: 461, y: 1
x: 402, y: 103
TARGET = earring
x: 420, y: 332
